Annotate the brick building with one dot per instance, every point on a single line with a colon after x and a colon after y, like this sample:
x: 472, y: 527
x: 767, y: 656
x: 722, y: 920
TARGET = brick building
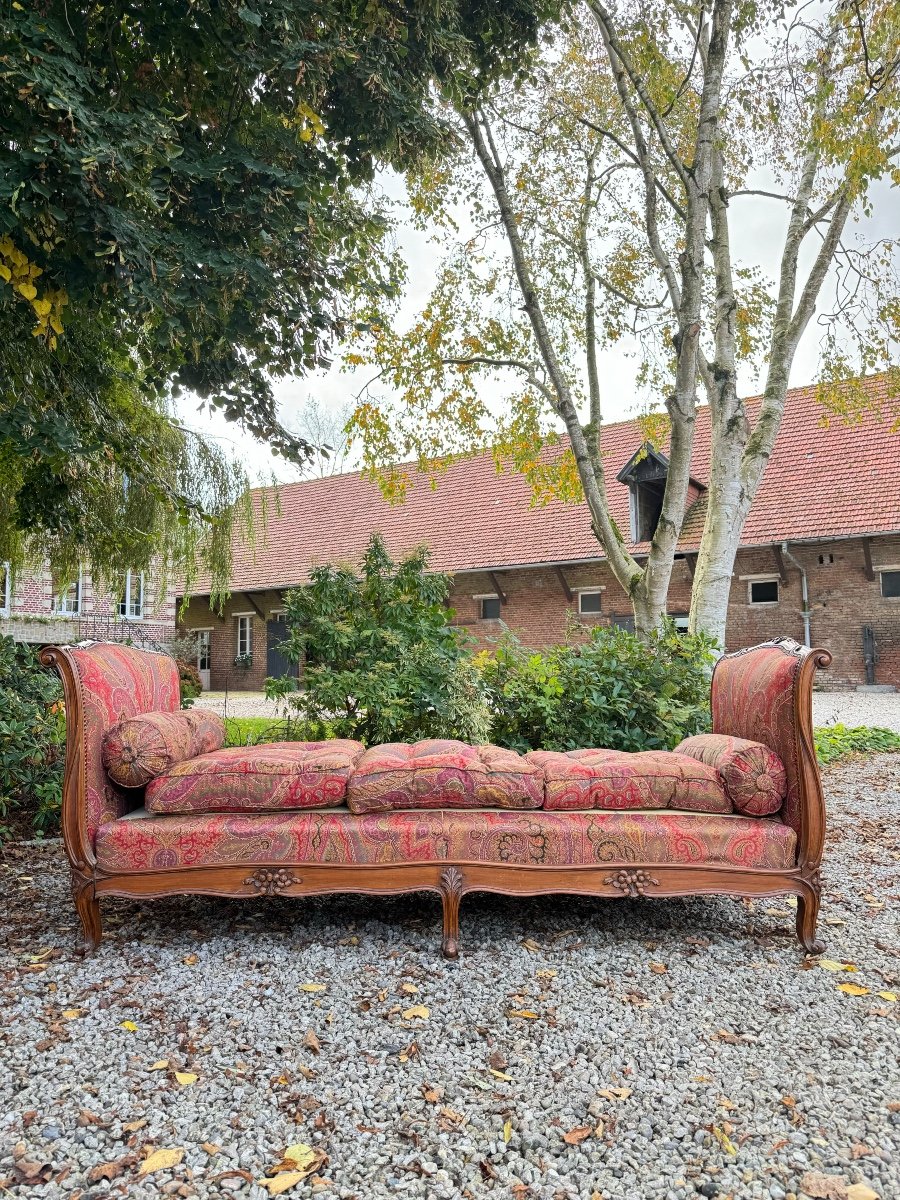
x: 34, y: 608
x: 827, y: 517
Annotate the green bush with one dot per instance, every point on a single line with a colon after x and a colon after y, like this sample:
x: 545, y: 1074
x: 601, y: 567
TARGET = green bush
x: 256, y: 731
x: 834, y: 742
x: 189, y: 679
x: 382, y: 663
x: 32, y: 738
x: 612, y: 689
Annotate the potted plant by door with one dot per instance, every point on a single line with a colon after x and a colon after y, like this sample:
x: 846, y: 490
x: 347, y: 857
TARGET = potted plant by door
x: 244, y: 661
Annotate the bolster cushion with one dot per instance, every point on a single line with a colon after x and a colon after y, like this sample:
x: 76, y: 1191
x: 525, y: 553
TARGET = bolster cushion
x: 268, y: 778
x: 752, y: 774
x: 142, y: 747
x: 443, y: 773
x: 585, y: 779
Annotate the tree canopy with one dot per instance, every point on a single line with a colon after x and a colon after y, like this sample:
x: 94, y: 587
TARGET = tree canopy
x: 184, y: 206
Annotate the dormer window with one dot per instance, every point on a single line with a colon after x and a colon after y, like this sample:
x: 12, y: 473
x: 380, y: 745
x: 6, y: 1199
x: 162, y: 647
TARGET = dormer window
x: 645, y: 474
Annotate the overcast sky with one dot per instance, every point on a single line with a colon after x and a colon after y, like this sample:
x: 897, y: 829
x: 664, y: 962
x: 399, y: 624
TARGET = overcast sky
x: 758, y: 227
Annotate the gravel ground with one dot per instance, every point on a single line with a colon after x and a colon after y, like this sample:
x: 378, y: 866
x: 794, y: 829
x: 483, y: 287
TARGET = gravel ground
x: 684, y: 1046
x: 852, y: 708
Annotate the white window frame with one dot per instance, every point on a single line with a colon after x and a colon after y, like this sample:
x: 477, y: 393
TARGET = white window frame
x: 209, y: 630
x: 125, y: 602
x: 241, y: 618
x: 59, y: 601
x: 751, y: 579
x: 5, y: 591
x: 590, y: 591
x: 487, y: 596
x: 882, y: 571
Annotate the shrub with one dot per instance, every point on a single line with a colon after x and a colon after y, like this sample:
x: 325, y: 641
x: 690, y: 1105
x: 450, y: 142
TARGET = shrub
x: 256, y: 731
x: 834, y: 742
x: 612, y: 689
x: 189, y: 679
x: 32, y: 737
x: 382, y: 663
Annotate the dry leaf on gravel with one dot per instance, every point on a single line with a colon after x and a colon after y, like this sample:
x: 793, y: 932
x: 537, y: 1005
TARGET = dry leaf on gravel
x: 531, y: 945
x: 658, y: 968
x: 724, y: 1140
x: 159, y: 1065
x: 615, y: 1093
x: 161, y: 1160
x: 861, y: 1191
x: 419, y: 1011
x: 431, y: 1093
x: 577, y: 1135
x: 185, y: 1078
x: 408, y: 989
x: 283, y: 1182
x: 829, y: 964
x: 129, y: 1026
x: 501, y: 1075
x: 311, y: 1041
x: 111, y: 1170
x: 853, y: 989
x: 210, y: 1148
x: 72, y: 1014
x: 525, y: 1013
x: 312, y: 987
x: 824, y: 1187
x: 191, y: 960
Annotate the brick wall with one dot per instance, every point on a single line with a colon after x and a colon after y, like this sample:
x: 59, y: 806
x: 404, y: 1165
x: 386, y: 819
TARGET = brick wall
x: 31, y: 617
x: 842, y: 601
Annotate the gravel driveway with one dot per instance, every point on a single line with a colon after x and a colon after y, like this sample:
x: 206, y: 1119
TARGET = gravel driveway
x: 677, y: 1048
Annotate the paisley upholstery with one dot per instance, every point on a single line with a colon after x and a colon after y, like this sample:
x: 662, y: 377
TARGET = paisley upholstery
x: 612, y: 779
x: 116, y: 682
x: 279, y: 775
x: 438, y: 773
x: 142, y: 747
x: 148, y: 843
x: 751, y: 773
x: 752, y: 697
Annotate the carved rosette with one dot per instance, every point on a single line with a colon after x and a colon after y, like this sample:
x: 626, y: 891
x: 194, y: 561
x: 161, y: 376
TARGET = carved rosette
x: 271, y: 882
x: 632, y: 883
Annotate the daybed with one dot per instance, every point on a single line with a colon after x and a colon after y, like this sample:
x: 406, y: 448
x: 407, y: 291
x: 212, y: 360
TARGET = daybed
x: 309, y: 818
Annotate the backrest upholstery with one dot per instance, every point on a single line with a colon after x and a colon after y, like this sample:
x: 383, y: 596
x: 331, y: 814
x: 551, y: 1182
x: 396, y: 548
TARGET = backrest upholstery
x: 756, y: 694
x: 115, y: 682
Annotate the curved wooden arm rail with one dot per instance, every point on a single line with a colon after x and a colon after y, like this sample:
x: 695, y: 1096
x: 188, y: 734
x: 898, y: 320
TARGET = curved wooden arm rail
x: 87, y: 800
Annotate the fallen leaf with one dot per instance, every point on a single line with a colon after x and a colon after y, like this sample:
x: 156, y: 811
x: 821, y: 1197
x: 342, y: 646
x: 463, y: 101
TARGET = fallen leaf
x: 658, y: 968
x: 824, y: 1187
x: 129, y: 1025
x: 488, y: 1170
x: 829, y: 964
x: 191, y: 960
x: 111, y: 1170
x: 282, y: 1182
x: 431, y: 1093
x: 304, y: 1157
x: 417, y: 1010
x: 161, y: 1160
x: 501, y: 1075
x: 615, y: 1093
x: 312, y: 987
x: 507, y: 1132
x: 72, y: 1014
x: 531, y: 945
x: 185, y: 1078
x: 861, y: 1191
x: 497, y: 1060
x: 577, y: 1135
x: 724, y: 1140
x: 853, y: 989
x: 159, y: 1065
x: 134, y: 1126
x: 525, y: 1013
x: 409, y: 988
x: 210, y: 1147
x: 547, y: 974
x: 311, y: 1041
x: 891, y: 996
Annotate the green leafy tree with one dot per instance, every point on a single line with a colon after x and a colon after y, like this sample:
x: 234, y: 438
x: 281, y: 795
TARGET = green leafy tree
x: 184, y: 206
x: 32, y: 737
x: 601, y: 196
x: 382, y: 664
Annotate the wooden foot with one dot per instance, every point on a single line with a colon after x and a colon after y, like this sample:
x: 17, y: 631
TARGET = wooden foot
x: 807, y: 917
x: 451, y: 888
x: 88, y: 908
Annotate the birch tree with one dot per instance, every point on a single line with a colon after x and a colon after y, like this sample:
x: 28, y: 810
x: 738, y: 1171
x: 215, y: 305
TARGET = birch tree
x: 593, y: 200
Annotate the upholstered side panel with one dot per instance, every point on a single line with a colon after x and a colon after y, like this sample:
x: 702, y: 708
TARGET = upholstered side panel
x: 534, y: 838
x: 753, y: 697
x: 116, y: 682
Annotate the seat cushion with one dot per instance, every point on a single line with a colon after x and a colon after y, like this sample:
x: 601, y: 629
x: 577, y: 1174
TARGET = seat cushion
x: 257, y: 778
x: 751, y: 773
x: 581, y: 779
x: 140, y: 842
x: 443, y: 774
x: 142, y: 747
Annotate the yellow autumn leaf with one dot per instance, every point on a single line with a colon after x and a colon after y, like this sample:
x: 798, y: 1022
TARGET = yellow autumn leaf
x: 724, y: 1140
x: 829, y: 964
x: 507, y: 1132
x: 28, y: 290
x: 417, y: 1010
x: 302, y: 1156
x: 853, y: 989
x: 890, y: 996
x: 41, y: 307
x: 71, y: 1014
x: 129, y: 1026
x: 312, y: 987
x: 282, y: 1182
x: 161, y: 1160
x: 159, y: 1065
x: 501, y: 1075
x: 409, y: 988
x: 185, y: 1078
x: 525, y: 1013
x: 5, y: 273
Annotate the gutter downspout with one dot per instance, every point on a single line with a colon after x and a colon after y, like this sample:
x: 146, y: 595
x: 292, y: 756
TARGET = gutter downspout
x: 804, y: 591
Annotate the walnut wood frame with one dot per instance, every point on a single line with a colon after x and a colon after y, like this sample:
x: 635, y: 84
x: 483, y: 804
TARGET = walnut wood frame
x: 451, y: 880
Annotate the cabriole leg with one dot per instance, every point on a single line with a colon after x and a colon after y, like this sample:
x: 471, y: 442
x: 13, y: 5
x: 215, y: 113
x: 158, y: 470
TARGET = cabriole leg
x: 88, y: 907
x: 451, y: 887
x: 808, y: 916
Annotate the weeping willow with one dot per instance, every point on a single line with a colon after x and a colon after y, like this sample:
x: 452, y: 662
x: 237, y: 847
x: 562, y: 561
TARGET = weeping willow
x: 96, y: 471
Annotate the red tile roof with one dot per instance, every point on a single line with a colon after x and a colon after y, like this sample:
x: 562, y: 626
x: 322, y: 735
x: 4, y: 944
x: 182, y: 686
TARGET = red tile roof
x: 822, y: 481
